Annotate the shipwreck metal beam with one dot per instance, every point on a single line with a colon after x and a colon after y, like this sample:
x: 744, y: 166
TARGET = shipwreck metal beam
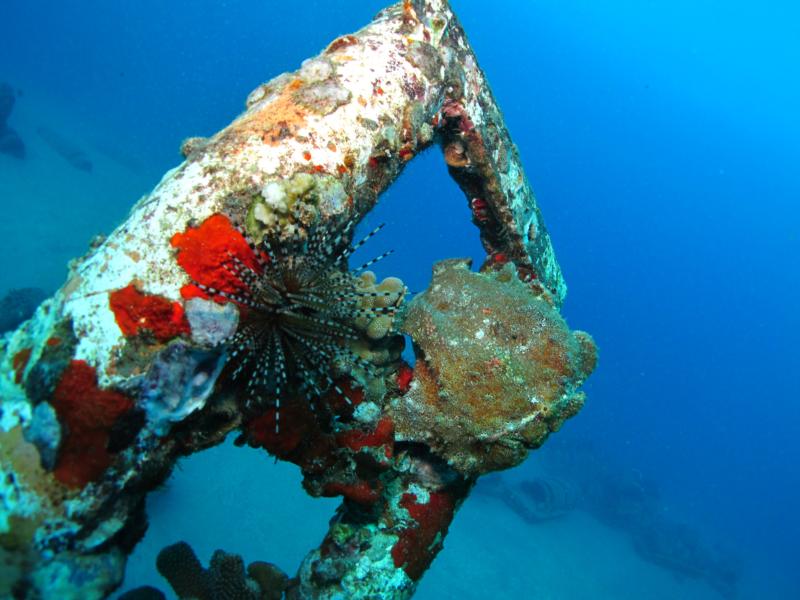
x: 118, y: 374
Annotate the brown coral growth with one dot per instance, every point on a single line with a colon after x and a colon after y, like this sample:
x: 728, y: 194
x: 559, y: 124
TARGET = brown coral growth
x: 498, y: 369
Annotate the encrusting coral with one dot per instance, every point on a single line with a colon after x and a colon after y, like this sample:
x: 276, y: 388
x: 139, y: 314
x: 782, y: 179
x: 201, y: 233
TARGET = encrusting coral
x: 10, y: 142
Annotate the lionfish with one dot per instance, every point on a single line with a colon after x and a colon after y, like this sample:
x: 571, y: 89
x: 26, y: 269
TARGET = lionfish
x: 298, y: 309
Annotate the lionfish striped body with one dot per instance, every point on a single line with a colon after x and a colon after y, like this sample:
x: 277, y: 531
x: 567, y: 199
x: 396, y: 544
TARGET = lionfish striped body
x: 298, y: 309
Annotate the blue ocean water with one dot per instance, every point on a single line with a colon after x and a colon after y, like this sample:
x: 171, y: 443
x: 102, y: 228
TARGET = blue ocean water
x: 662, y: 141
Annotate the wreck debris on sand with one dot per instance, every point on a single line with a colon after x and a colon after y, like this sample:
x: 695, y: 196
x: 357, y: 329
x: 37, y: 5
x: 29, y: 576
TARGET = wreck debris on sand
x: 10, y: 142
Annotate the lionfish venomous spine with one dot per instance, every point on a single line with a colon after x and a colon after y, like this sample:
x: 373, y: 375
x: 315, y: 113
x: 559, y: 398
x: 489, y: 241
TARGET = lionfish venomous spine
x: 298, y: 312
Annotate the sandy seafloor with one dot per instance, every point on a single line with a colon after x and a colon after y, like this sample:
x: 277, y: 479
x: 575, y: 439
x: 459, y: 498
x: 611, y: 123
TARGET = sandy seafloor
x: 489, y: 552
x: 238, y: 499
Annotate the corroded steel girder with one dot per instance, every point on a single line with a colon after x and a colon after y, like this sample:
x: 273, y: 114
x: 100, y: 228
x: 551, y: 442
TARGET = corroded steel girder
x: 118, y: 374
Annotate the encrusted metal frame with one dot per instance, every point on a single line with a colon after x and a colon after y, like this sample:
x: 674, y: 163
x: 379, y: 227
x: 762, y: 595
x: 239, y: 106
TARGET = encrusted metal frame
x: 117, y: 375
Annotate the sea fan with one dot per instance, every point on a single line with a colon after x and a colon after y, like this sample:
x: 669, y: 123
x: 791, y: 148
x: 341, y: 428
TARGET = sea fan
x: 299, y: 310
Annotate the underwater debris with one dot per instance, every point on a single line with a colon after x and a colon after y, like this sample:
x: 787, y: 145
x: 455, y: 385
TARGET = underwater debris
x: 66, y: 149
x: 679, y: 548
x: 624, y: 499
x: 633, y: 505
x: 7, y: 99
x: 10, y: 142
x: 533, y: 500
x: 128, y: 351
